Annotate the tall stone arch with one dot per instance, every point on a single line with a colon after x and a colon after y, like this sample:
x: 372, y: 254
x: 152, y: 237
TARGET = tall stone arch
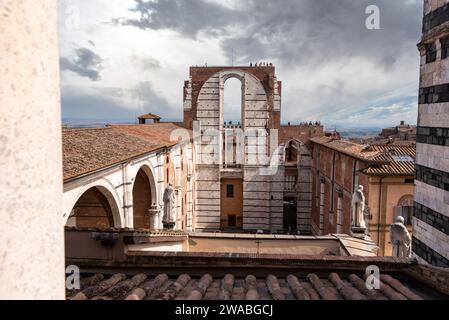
x: 203, y: 96
x: 204, y: 103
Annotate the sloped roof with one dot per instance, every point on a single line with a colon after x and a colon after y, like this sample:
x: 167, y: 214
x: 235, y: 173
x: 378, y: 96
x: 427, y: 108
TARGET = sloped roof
x: 334, y: 286
x: 352, y: 149
x: 400, y: 159
x: 390, y: 160
x: 89, y: 150
x: 160, y: 132
x: 149, y: 116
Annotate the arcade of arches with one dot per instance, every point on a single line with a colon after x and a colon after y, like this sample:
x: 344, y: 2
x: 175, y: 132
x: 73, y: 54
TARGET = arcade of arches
x: 94, y: 210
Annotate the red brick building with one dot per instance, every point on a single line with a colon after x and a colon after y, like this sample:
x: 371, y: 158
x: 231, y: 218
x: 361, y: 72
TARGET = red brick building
x: 385, y: 172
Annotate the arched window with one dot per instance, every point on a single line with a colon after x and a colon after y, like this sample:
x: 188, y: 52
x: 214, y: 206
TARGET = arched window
x: 405, y: 209
x: 233, y: 98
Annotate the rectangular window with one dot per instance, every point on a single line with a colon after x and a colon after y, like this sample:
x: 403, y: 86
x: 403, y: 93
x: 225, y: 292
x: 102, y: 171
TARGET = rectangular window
x: 444, y: 48
x: 431, y: 53
x: 230, y: 190
x: 232, y: 220
x: 410, y: 181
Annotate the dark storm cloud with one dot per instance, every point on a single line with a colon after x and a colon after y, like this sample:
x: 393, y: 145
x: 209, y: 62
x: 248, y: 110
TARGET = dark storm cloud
x: 316, y: 31
x: 186, y: 17
x: 85, y: 63
x: 307, y: 31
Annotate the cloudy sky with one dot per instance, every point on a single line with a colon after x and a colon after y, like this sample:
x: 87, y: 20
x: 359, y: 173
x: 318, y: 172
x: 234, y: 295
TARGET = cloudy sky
x: 121, y: 58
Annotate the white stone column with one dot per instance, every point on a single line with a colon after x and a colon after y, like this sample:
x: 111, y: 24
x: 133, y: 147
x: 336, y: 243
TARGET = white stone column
x: 154, y: 217
x: 31, y: 224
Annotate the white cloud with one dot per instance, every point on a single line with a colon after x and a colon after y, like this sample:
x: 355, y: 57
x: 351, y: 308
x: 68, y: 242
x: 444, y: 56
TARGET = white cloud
x: 332, y: 72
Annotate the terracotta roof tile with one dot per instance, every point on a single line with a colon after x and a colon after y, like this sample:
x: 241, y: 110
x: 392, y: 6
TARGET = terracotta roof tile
x: 400, y: 159
x: 352, y: 149
x: 334, y: 286
x: 89, y: 150
x: 383, y: 159
x: 152, y: 132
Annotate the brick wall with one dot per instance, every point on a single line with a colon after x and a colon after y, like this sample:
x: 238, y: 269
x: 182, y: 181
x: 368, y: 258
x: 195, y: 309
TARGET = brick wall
x: 337, y: 172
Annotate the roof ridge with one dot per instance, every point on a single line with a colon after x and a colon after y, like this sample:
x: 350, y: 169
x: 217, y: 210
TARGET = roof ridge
x: 86, y: 129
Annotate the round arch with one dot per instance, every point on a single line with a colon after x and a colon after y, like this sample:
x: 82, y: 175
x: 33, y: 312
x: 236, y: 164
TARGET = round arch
x: 406, y: 200
x: 404, y: 209
x: 233, y: 88
x: 96, y: 207
x: 147, y: 169
x: 144, y: 197
x: 251, y: 86
x: 291, y: 151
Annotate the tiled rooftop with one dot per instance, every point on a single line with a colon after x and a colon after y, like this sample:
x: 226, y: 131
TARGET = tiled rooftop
x: 152, y: 132
x: 88, y: 150
x: 383, y: 159
x: 401, y: 160
x: 347, y: 147
x: 332, y: 286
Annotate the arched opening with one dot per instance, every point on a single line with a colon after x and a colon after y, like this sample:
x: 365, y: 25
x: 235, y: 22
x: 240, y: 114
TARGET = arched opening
x: 405, y: 209
x: 291, y: 165
x: 92, y: 210
x: 233, y: 101
x: 142, y: 201
x: 291, y: 153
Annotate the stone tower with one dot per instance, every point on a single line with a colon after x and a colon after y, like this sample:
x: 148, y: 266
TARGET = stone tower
x: 431, y: 213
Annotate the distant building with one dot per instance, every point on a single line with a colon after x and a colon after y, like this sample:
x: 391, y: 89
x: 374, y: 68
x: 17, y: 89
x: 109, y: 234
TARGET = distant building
x: 387, y: 174
x: 402, y: 134
x: 431, y: 214
x: 149, y: 116
x: 398, y: 134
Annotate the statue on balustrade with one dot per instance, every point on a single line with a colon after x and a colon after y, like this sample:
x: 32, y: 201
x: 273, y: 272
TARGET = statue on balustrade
x: 400, y: 239
x: 358, y: 208
x: 169, y: 218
